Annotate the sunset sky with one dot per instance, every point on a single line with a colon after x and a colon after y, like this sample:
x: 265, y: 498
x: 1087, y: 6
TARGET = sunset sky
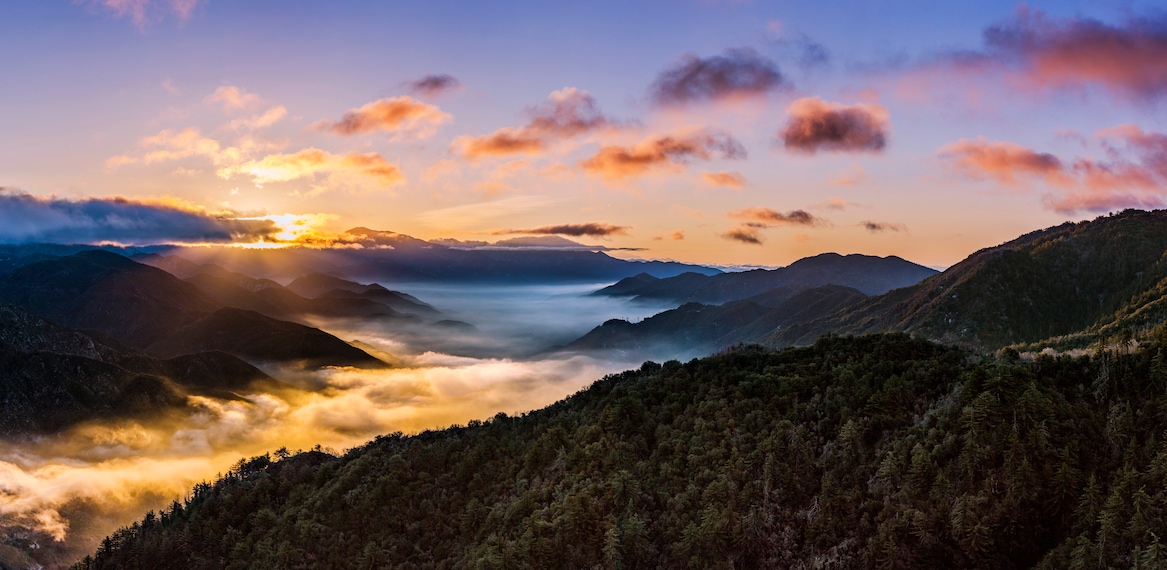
x: 727, y: 132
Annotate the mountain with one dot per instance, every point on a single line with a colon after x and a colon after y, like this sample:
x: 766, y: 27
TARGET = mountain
x: 319, y: 286
x: 152, y: 310
x: 261, y: 339
x: 1064, y: 287
x: 389, y: 257
x: 52, y: 377
x: 858, y: 452
x: 694, y: 329
x: 869, y: 274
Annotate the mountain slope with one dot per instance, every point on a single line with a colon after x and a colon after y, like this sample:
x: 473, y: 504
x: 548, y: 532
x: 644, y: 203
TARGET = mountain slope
x: 146, y: 307
x: 869, y: 274
x: 1050, y: 283
x: 867, y: 452
x: 52, y: 377
x: 694, y: 329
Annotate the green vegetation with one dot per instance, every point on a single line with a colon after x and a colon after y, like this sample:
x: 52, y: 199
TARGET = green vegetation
x: 880, y: 451
x: 1063, y: 287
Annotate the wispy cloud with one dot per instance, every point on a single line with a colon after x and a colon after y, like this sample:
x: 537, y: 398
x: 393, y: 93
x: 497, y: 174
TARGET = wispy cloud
x: 877, y: 227
x: 726, y: 179
x: 592, y: 229
x: 667, y: 152
x: 142, y: 12
x: 743, y: 234
x: 396, y: 114
x: 737, y: 73
x: 434, y: 85
x: 816, y: 125
x: 233, y: 98
x: 766, y: 217
x: 311, y: 162
x: 1134, y: 174
x: 1033, y: 52
x: 566, y: 114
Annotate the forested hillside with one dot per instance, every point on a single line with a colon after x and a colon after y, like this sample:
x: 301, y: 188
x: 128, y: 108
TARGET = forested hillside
x: 1063, y: 286
x: 878, y: 451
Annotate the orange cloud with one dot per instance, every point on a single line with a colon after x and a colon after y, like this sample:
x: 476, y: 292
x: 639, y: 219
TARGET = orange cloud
x: 664, y: 152
x: 310, y: 162
x: 390, y: 115
x: 567, y: 113
x: 503, y: 142
x: 261, y: 121
x: 1135, y: 175
x: 730, y: 179
x: 1003, y: 162
x: 233, y: 98
x: 816, y: 125
x: 1033, y: 52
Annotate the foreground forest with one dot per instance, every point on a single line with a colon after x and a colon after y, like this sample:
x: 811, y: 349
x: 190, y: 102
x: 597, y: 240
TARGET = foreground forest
x: 880, y: 451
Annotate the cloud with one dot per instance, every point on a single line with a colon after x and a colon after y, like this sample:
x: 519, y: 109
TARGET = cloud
x: 1033, y: 52
x: 1127, y: 59
x: 310, y: 162
x: 816, y: 125
x: 876, y: 227
x: 662, y: 152
x: 261, y: 121
x: 566, y: 114
x: 25, y: 218
x: 738, y: 73
x: 169, y: 145
x: 1006, y: 163
x: 434, y: 85
x: 144, y: 11
x: 854, y: 176
x: 233, y: 98
x: 593, y: 229
x: 729, y: 179
x: 1134, y: 174
x: 744, y: 234
x: 389, y: 115
x: 766, y: 217
x: 835, y: 203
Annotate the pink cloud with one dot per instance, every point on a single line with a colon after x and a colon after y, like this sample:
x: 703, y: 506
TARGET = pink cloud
x: 1134, y: 174
x: 615, y: 162
x: 566, y: 114
x: 816, y: 125
x: 388, y: 115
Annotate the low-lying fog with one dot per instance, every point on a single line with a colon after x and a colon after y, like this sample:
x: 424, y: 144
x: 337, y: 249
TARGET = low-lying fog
x: 65, y: 492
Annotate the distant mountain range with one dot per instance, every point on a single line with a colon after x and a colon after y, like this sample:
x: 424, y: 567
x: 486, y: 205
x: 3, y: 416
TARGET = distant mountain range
x: 694, y: 329
x: 732, y: 308
x: 869, y: 274
x: 390, y: 257
x: 1063, y: 288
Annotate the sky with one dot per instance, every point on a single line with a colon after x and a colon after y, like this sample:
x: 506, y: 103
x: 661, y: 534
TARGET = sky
x: 706, y: 131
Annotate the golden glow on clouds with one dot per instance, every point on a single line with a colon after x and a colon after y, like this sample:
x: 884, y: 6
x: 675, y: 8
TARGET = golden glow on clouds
x: 124, y: 468
x: 311, y: 162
